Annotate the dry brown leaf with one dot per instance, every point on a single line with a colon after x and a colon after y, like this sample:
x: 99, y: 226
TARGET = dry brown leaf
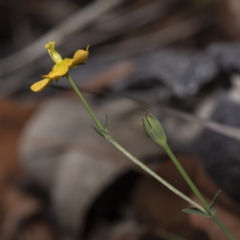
x: 12, y: 120
x: 37, y: 231
x: 16, y: 207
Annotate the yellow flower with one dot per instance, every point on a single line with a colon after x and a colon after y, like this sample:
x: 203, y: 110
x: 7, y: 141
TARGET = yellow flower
x: 61, y: 66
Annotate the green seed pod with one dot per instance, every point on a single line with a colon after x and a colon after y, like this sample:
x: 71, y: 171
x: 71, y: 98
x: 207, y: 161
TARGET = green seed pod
x: 154, y: 129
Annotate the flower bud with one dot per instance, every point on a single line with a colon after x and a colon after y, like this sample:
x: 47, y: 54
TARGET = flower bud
x: 154, y: 129
x: 80, y: 57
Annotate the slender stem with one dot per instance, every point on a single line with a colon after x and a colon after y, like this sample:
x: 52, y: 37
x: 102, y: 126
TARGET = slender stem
x: 186, y: 177
x: 196, y: 191
x: 153, y: 174
x: 83, y: 101
x: 130, y: 156
x: 222, y: 226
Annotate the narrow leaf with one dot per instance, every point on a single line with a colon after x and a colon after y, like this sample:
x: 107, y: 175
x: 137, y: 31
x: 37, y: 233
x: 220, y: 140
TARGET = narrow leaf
x: 107, y: 123
x: 195, y: 211
x: 100, y: 131
x: 213, y: 203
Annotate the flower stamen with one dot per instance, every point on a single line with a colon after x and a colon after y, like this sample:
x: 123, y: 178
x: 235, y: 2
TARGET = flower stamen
x: 56, y: 57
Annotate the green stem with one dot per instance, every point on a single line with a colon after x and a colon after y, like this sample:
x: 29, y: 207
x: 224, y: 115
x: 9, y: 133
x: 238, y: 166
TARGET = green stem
x: 196, y: 191
x: 222, y: 226
x: 153, y: 174
x: 186, y: 177
x: 83, y: 101
x: 130, y: 156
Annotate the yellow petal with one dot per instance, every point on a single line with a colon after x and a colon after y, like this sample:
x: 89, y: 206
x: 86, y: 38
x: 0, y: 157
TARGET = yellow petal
x: 58, y: 70
x: 80, y: 57
x: 67, y: 61
x: 40, y: 85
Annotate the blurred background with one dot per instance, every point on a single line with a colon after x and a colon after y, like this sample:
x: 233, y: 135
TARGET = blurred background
x: 178, y: 58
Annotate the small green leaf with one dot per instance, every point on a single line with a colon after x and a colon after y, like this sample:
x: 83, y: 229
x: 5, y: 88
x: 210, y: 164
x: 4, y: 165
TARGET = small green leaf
x: 195, y: 211
x: 101, y: 132
x: 107, y: 123
x: 213, y: 203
